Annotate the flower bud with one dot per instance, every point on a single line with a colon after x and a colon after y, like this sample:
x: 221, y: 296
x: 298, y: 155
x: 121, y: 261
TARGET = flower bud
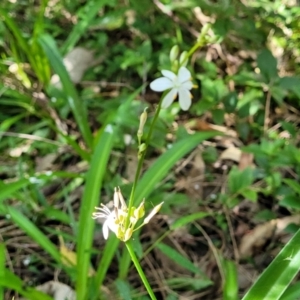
x: 174, y: 53
x: 202, y: 38
x: 175, y: 66
x: 140, y: 211
x: 143, y: 119
x: 128, y: 234
x: 154, y: 211
x: 142, y: 148
x: 183, y: 60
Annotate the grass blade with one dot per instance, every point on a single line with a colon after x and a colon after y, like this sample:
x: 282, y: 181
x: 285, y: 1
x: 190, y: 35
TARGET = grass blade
x: 90, y: 200
x: 188, y: 219
x: 31, y: 230
x: 106, y: 258
x: 165, y: 162
x: 230, y: 288
x: 7, y: 189
x: 13, y: 282
x: 86, y: 15
x: 75, y: 103
x: 278, y: 275
x: 179, y: 259
x: 2, y: 268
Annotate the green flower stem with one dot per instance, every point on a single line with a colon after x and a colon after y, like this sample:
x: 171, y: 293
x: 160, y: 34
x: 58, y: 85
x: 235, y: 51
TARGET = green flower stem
x: 141, y: 159
x: 200, y: 43
x: 140, y: 270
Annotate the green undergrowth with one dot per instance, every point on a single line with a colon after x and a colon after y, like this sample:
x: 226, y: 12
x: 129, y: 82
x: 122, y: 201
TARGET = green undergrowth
x: 63, y: 149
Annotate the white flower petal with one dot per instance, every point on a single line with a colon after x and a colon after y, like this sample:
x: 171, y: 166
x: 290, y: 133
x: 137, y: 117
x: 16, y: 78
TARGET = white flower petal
x: 172, y: 76
x: 184, y: 99
x: 169, y: 98
x: 105, y: 229
x: 184, y: 74
x: 161, y: 84
x: 188, y: 85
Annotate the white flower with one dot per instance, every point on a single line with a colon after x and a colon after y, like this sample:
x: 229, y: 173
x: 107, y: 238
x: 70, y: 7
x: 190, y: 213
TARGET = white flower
x: 180, y: 84
x: 110, y: 222
x: 120, y: 221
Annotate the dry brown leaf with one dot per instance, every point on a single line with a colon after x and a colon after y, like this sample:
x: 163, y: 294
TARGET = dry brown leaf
x: 45, y: 163
x: 77, y: 61
x: 199, y: 125
x: 231, y: 153
x: 260, y: 234
x: 246, y: 160
x: 131, y: 164
x: 57, y: 290
x: 69, y: 257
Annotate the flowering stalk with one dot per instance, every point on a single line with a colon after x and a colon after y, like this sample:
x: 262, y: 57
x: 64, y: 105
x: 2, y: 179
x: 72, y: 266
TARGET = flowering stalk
x: 140, y: 270
x: 142, y: 157
x: 201, y: 41
x: 123, y: 220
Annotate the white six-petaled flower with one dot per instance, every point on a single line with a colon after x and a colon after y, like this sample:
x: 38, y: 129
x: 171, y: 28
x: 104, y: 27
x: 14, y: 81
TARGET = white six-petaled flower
x: 109, y: 223
x: 116, y: 220
x: 179, y: 84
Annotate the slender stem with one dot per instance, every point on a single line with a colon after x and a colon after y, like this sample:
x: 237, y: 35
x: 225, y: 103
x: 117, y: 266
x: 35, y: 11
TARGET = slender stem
x: 140, y: 270
x: 200, y: 43
x: 141, y: 159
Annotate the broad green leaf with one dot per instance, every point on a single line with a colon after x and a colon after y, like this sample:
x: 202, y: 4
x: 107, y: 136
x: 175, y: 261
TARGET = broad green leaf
x: 267, y: 64
x: 230, y: 102
x: 279, y: 274
x: 239, y: 179
x: 249, y: 194
x: 291, y: 83
x: 218, y: 116
x: 293, y: 184
x: 290, y: 201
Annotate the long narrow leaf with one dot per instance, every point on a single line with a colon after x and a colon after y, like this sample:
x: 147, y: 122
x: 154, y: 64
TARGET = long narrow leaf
x: 2, y: 268
x: 13, y: 282
x: 10, y: 23
x: 75, y: 103
x: 31, y: 230
x: 107, y: 256
x: 165, y: 162
x: 86, y: 15
x: 7, y: 189
x: 90, y: 200
x: 230, y: 285
x: 179, y: 259
x: 278, y: 275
